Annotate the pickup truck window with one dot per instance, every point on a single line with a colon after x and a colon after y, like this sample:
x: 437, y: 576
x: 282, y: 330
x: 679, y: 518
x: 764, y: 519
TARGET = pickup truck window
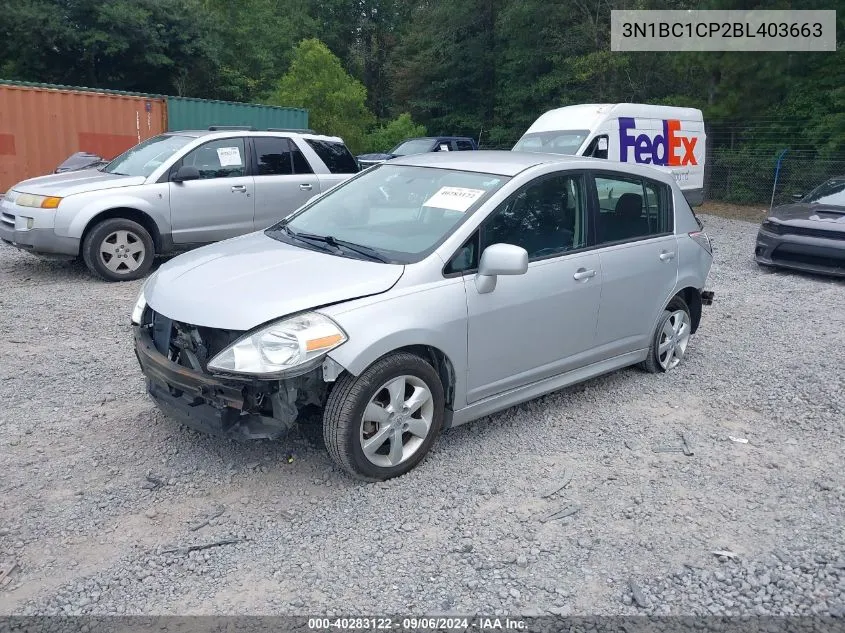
x: 337, y: 158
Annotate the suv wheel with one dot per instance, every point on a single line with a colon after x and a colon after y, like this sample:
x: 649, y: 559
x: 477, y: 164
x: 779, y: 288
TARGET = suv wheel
x: 670, y: 339
x: 118, y: 250
x: 382, y: 423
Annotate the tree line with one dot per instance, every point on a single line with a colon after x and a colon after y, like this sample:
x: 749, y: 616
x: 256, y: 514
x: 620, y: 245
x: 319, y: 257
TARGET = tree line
x: 375, y: 71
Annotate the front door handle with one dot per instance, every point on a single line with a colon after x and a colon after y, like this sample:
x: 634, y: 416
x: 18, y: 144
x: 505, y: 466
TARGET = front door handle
x: 239, y: 188
x: 667, y: 256
x: 305, y: 187
x: 582, y: 274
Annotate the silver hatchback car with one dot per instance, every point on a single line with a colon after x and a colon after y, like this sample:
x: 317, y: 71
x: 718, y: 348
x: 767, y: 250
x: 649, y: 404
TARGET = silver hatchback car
x: 422, y: 294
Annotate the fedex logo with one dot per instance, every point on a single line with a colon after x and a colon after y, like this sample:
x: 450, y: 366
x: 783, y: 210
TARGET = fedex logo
x: 669, y: 149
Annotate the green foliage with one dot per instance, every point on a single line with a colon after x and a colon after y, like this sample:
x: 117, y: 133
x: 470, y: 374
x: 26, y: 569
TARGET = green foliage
x: 336, y: 101
x: 387, y: 136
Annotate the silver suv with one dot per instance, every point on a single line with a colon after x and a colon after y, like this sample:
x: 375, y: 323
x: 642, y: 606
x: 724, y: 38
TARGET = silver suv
x: 424, y: 293
x: 170, y: 193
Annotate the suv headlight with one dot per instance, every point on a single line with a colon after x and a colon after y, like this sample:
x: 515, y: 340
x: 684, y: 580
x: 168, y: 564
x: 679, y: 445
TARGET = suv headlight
x: 294, y: 343
x: 39, y: 202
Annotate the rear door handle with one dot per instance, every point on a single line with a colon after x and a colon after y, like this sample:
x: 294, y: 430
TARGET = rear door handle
x: 667, y: 256
x: 306, y: 187
x: 239, y: 188
x: 582, y: 274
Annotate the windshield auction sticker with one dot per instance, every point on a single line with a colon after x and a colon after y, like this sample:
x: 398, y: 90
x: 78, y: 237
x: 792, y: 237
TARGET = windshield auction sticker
x: 229, y: 156
x: 454, y: 198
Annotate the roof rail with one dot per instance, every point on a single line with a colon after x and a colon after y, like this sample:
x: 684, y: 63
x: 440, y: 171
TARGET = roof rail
x: 218, y: 128
x: 290, y: 129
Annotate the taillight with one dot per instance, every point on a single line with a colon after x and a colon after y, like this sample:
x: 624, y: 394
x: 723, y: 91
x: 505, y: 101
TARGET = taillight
x: 700, y: 238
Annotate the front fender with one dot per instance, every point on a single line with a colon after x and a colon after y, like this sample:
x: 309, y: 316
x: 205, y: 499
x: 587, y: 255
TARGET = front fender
x: 77, y: 212
x: 435, y: 316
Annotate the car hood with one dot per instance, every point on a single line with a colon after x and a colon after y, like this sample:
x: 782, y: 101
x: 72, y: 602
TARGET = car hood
x: 376, y: 156
x: 818, y: 216
x: 243, y: 282
x: 71, y: 182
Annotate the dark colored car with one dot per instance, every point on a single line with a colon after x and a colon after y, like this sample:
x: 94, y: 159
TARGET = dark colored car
x: 79, y: 161
x: 807, y: 235
x: 420, y: 146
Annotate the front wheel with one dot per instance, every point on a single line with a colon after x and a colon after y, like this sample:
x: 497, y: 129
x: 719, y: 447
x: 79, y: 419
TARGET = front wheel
x: 382, y: 423
x: 118, y: 250
x: 670, y: 338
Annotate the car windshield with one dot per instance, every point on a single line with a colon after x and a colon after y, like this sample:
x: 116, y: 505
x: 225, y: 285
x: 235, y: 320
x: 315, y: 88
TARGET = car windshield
x: 831, y: 193
x: 392, y: 213
x: 414, y: 146
x: 145, y: 157
x: 556, y: 142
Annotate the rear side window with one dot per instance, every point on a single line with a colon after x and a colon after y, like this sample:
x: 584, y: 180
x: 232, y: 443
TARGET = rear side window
x: 337, y: 158
x: 631, y: 208
x: 274, y: 156
x: 464, y: 145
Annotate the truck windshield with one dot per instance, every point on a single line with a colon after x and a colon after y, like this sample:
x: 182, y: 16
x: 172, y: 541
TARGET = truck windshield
x: 414, y: 146
x: 555, y: 142
x: 143, y: 159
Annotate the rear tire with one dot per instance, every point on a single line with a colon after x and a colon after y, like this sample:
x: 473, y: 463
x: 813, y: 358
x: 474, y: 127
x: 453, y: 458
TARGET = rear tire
x: 382, y: 423
x: 118, y: 250
x: 670, y: 338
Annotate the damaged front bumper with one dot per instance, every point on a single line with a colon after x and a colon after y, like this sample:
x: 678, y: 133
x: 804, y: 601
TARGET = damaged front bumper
x: 216, y: 406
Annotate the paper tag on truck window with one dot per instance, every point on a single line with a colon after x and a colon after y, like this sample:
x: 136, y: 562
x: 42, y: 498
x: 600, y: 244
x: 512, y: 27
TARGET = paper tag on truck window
x: 229, y: 156
x: 454, y: 198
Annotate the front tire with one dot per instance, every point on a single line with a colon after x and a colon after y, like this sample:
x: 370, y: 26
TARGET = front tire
x: 670, y: 338
x: 382, y: 423
x: 118, y: 250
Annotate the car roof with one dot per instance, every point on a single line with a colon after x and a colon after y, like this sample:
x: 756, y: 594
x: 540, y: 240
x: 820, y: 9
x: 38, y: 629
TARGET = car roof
x: 510, y: 163
x: 231, y: 132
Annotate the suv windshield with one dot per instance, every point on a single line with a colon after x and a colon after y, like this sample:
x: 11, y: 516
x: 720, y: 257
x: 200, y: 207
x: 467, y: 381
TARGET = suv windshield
x: 832, y: 192
x: 390, y: 213
x: 414, y: 146
x: 557, y: 142
x: 143, y: 159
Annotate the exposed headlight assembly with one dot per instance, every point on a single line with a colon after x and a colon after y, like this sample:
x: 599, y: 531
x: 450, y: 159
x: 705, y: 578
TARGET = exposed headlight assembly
x: 292, y: 345
x: 140, y: 303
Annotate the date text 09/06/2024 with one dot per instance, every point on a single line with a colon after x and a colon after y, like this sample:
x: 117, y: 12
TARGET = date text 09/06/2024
x: 416, y: 624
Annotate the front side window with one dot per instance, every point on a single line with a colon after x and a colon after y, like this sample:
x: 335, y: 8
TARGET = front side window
x: 273, y: 156
x: 631, y: 208
x: 147, y: 156
x: 557, y: 142
x: 337, y: 158
x: 546, y: 218
x: 400, y: 212
x: 223, y: 158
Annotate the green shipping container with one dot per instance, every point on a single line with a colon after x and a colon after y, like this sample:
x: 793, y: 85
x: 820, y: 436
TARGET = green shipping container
x: 185, y: 113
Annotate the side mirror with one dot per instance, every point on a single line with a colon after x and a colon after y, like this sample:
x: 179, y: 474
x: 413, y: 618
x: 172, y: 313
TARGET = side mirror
x: 798, y: 197
x: 499, y: 259
x: 186, y: 172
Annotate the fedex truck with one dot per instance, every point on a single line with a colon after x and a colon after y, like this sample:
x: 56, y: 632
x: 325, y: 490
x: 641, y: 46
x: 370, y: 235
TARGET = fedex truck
x: 666, y: 137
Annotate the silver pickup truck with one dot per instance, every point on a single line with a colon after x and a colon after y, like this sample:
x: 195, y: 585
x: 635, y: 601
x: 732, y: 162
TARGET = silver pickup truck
x: 171, y: 193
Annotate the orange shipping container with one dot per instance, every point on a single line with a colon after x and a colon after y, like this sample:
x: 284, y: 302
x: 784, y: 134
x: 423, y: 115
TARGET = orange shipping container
x: 40, y: 127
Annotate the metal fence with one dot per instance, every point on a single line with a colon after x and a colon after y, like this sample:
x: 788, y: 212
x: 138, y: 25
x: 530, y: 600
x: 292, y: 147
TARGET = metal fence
x: 743, y: 177
x: 747, y: 176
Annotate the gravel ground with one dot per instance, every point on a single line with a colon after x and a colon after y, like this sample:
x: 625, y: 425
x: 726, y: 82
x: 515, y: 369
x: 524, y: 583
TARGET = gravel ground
x: 96, y: 485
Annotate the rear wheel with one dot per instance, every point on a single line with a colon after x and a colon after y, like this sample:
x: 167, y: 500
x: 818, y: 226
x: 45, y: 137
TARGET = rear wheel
x: 382, y: 423
x: 670, y: 338
x: 118, y: 250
